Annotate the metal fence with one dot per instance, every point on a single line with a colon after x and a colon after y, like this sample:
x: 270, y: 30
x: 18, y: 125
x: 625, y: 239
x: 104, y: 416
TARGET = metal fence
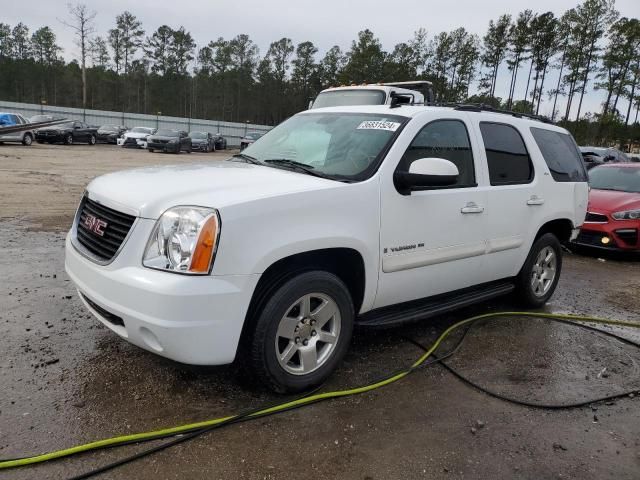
x: 230, y: 130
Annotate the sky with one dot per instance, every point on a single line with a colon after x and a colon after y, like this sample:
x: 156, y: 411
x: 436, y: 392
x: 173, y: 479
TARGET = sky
x: 325, y: 23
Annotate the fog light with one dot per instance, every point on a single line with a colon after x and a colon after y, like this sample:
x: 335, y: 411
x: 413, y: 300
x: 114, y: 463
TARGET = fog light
x: 605, y: 240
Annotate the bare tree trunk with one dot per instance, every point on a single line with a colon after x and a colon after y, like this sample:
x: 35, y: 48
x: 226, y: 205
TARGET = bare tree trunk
x: 544, y: 74
x: 526, y: 91
x: 555, y: 99
x: 83, y: 26
x: 623, y: 75
x: 586, y: 73
x: 632, y: 96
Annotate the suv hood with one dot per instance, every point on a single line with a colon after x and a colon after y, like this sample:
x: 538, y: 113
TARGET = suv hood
x: 137, y: 135
x: 610, y: 201
x: 147, y: 192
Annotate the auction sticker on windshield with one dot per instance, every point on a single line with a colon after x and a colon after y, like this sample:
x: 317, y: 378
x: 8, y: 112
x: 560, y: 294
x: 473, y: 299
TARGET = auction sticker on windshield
x: 379, y: 125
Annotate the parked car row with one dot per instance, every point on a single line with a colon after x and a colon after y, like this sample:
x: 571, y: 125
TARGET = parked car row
x: 76, y: 131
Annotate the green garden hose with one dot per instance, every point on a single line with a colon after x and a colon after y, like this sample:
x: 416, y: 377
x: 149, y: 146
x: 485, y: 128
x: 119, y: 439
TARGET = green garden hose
x: 296, y: 403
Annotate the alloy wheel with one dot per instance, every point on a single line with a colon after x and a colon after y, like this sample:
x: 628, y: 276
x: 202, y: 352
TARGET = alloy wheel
x: 308, y: 334
x: 543, y: 271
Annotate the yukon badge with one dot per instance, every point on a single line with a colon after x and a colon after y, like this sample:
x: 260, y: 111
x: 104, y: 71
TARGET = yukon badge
x: 94, y: 224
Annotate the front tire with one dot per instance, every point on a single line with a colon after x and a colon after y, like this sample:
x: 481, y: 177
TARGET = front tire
x: 92, y: 140
x: 68, y: 139
x: 540, y: 273
x: 27, y: 140
x: 302, y: 332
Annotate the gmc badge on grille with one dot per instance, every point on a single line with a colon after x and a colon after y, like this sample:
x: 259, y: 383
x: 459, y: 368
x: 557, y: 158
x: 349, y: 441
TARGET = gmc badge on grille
x: 94, y: 224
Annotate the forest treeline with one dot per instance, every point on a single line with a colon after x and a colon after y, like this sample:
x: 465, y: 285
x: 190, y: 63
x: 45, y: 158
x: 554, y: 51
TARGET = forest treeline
x: 128, y: 68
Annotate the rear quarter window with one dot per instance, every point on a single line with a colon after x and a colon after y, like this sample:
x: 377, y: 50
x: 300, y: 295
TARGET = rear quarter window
x: 561, y: 154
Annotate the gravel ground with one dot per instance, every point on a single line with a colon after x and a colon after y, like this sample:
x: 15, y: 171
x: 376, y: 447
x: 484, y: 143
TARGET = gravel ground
x: 66, y: 379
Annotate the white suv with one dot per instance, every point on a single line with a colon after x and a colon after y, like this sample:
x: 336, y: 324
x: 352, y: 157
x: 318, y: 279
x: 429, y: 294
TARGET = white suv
x: 363, y: 215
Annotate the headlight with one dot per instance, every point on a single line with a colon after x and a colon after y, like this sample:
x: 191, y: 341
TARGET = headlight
x: 184, y: 240
x: 627, y: 215
x: 173, y: 141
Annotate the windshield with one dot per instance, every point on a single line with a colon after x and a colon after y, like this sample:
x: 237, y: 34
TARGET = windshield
x: 334, y: 144
x: 594, y: 151
x: 621, y: 179
x: 141, y: 130
x: 198, y: 135
x: 253, y: 136
x: 109, y: 128
x: 339, y: 98
x: 166, y: 133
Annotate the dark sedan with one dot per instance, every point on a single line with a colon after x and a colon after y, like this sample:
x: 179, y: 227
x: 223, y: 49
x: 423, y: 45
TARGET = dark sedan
x: 68, y: 133
x: 202, y: 142
x: 169, y: 141
x: 110, y: 133
x: 220, y: 142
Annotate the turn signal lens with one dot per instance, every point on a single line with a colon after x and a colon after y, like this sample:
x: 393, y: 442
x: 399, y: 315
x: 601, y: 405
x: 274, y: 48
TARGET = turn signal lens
x: 203, y: 253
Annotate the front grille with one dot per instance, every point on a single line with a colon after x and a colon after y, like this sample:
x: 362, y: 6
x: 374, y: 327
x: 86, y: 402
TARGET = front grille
x: 108, y: 316
x: 596, y: 218
x: 628, y: 236
x: 103, y: 247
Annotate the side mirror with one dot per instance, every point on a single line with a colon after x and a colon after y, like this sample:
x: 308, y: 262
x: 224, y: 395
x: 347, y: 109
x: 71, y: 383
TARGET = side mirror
x: 609, y: 158
x: 426, y: 173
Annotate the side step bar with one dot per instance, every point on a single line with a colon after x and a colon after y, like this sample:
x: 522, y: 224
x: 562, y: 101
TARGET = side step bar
x: 430, y: 307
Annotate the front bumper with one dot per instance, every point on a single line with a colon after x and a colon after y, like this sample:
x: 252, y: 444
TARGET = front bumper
x: 620, y: 235
x: 199, y: 147
x: 193, y: 320
x: 132, y: 142
x: 107, y: 138
x: 167, y: 147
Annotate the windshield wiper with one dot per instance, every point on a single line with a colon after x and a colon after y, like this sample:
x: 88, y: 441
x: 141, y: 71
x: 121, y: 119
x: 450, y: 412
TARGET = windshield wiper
x: 247, y: 158
x: 302, y: 167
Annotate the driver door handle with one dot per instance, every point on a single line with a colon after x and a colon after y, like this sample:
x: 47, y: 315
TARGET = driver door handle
x: 535, y: 200
x: 472, y: 207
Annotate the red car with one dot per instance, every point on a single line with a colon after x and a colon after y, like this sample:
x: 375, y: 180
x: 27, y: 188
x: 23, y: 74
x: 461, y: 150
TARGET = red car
x: 613, y: 216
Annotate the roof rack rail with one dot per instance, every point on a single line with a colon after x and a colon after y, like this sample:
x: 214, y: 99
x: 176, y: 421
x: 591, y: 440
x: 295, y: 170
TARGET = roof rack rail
x: 481, y: 107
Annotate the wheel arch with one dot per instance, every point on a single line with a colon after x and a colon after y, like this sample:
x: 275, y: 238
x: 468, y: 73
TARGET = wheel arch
x: 560, y: 227
x: 346, y: 263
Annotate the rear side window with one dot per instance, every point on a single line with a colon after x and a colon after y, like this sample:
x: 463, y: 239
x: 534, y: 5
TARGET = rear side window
x: 507, y: 156
x: 561, y: 154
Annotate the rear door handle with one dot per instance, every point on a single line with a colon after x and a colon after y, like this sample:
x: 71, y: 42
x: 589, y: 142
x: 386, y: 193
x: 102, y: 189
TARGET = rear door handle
x: 472, y: 207
x: 535, y: 200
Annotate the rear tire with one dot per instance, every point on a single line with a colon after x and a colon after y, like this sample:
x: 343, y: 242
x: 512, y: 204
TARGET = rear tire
x: 150, y: 150
x: 302, y: 332
x: 540, y: 273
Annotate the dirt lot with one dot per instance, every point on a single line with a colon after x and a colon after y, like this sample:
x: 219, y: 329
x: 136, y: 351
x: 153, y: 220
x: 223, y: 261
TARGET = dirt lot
x: 65, y: 379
